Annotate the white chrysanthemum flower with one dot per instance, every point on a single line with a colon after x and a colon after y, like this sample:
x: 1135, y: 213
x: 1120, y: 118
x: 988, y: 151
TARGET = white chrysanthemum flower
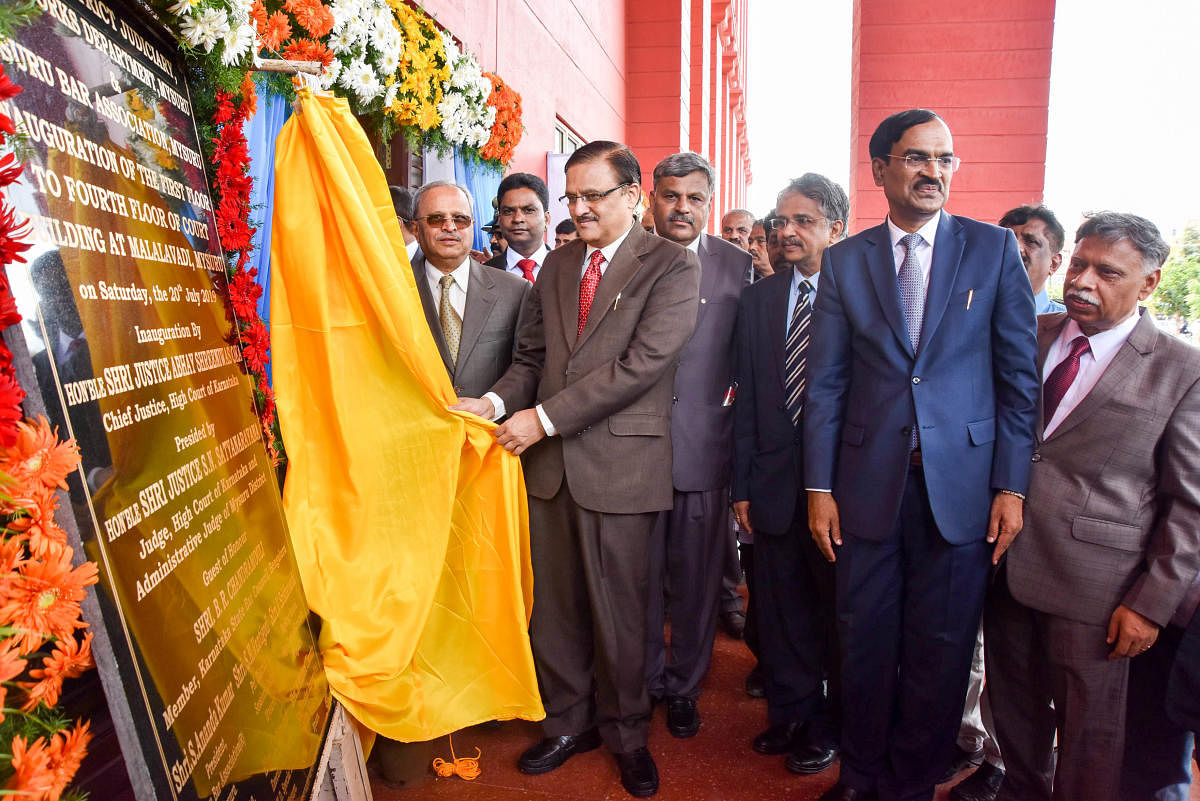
x: 368, y: 90
x: 203, y: 30
x: 382, y: 17
x: 342, y: 42
x: 352, y: 73
x: 452, y: 52
x: 359, y: 29
x: 237, y: 44
x: 181, y: 8
x: 329, y: 75
x: 388, y: 63
x: 389, y: 97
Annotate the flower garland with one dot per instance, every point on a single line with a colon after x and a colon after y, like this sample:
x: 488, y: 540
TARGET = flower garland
x: 40, y: 593
x: 507, y: 129
x: 231, y: 159
x: 466, y: 116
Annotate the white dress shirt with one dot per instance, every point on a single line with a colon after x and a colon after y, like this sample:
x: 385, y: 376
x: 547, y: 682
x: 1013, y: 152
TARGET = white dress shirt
x: 414, y: 250
x: 1103, y: 349
x: 794, y: 295
x: 609, y: 251
x: 512, y: 257
x: 927, y: 232
x: 458, y: 290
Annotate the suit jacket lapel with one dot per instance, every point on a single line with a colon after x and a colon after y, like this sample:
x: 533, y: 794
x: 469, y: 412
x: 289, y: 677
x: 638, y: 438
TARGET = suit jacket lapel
x: 431, y: 312
x: 776, y: 318
x: 481, y: 296
x: 708, y: 277
x: 568, y: 289
x: 882, y: 266
x: 1047, y: 333
x: 947, y: 256
x: 1140, y: 343
x: 624, y: 266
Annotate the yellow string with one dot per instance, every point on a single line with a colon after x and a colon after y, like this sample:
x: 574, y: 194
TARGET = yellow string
x: 466, y: 767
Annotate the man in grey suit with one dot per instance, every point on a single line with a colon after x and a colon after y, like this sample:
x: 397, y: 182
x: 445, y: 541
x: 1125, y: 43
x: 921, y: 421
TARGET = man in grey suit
x: 688, y: 549
x: 1112, y: 527
x: 472, y: 310
x: 590, y: 392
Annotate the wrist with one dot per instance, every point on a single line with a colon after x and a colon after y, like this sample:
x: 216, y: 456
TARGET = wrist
x: 1013, y: 493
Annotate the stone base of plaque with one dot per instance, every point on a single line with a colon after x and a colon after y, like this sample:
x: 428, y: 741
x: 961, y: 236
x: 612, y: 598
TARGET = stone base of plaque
x: 402, y: 765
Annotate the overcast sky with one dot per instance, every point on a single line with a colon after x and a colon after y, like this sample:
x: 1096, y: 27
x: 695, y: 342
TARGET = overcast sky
x: 1124, y: 127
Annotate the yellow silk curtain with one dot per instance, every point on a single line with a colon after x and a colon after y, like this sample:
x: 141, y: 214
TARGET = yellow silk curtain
x: 409, y: 523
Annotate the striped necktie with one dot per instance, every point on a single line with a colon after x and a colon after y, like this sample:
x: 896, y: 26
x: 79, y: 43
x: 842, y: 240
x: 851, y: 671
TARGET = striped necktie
x: 795, y: 349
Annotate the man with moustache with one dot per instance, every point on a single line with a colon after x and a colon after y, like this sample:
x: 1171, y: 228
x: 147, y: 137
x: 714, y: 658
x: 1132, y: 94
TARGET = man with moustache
x: 690, y: 545
x: 793, y: 583
x: 474, y: 312
x: 1112, y: 540
x: 590, y: 391
x: 774, y: 244
x: 757, y: 245
x: 917, y: 437
x: 521, y: 203
x: 735, y: 227
x: 1040, y: 237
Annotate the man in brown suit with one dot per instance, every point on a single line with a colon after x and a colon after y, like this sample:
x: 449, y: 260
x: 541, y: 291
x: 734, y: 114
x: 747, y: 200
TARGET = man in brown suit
x: 590, y: 392
x: 1112, y: 522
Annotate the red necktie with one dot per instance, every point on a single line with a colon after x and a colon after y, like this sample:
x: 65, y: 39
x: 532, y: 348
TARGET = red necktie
x: 1061, y: 378
x: 527, y: 266
x: 587, y: 288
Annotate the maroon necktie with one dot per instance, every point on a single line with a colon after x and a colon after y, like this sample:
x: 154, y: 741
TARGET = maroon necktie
x: 1061, y: 378
x: 587, y: 288
x: 527, y: 266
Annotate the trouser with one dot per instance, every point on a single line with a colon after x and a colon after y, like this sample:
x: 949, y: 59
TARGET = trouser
x: 797, y: 635
x: 687, y: 550
x: 1158, y: 751
x: 588, y: 628
x: 908, y: 613
x: 746, y: 552
x: 730, y: 599
x: 1048, y: 675
x: 977, y: 730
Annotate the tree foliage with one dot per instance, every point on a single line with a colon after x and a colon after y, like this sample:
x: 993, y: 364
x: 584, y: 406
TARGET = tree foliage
x: 1178, y: 294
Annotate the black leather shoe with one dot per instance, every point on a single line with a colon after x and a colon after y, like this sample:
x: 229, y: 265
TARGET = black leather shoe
x: 962, y: 760
x: 683, y: 720
x: 840, y: 792
x: 734, y: 623
x: 779, y: 739
x: 754, y: 684
x: 551, y: 752
x: 810, y: 758
x: 982, y: 785
x: 639, y: 774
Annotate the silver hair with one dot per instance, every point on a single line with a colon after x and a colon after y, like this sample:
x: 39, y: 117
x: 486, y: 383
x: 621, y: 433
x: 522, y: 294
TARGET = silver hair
x: 1113, y: 226
x: 830, y: 198
x: 677, y: 165
x: 420, y: 193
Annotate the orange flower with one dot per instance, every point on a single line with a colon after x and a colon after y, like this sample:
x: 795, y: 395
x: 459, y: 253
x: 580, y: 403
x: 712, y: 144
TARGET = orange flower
x: 258, y: 13
x: 249, y: 96
x: 43, y: 534
x: 69, y: 659
x: 276, y: 31
x: 11, y: 665
x: 316, y: 18
x: 31, y: 768
x: 65, y: 753
x: 308, y: 50
x: 39, y: 455
x: 43, y: 599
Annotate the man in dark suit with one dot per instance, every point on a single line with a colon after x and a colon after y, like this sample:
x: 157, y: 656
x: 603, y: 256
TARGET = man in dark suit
x: 917, y: 437
x: 688, y: 552
x: 1112, y: 539
x: 521, y: 203
x: 474, y: 312
x: 590, y: 392
x: 793, y: 599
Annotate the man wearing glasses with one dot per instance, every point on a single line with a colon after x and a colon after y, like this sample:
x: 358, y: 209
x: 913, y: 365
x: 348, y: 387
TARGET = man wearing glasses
x: 590, y: 392
x: 918, y: 433
x: 521, y: 202
x: 793, y: 585
x: 472, y: 310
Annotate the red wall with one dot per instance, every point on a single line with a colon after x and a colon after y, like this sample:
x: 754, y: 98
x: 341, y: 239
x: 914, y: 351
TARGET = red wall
x: 984, y: 67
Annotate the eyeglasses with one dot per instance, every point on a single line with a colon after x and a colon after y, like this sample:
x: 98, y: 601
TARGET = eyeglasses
x: 460, y: 221
x: 590, y: 197
x: 508, y: 212
x: 800, y: 221
x: 919, y: 161
x: 758, y: 240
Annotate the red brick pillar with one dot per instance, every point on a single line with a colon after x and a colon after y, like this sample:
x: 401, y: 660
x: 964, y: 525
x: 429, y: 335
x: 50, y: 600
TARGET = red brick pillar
x: 658, y: 79
x: 984, y: 67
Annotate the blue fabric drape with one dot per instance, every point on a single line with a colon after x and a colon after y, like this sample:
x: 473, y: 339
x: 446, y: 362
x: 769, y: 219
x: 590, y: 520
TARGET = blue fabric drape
x: 261, y: 131
x: 483, y: 182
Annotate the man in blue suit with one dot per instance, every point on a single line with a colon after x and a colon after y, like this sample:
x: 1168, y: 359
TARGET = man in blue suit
x: 918, y: 433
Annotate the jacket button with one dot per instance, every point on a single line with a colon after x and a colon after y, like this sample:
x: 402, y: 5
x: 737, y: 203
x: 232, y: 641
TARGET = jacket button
x: 1037, y: 457
x: 916, y: 379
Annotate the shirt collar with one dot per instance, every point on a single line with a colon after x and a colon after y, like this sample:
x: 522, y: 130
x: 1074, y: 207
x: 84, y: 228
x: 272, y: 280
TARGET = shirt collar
x: 611, y: 248
x: 927, y: 231
x: 798, y: 276
x: 461, y: 273
x: 1105, y: 343
x: 513, y: 256
x: 694, y: 245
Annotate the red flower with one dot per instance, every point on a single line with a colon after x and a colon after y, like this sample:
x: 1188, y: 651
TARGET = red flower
x: 256, y: 345
x: 244, y: 293
x: 11, y: 234
x: 11, y: 396
x: 8, y: 306
x: 7, y: 87
x: 308, y: 50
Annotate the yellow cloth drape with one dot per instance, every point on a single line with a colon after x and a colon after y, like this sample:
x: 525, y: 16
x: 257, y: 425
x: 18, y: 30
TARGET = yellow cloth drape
x: 409, y: 523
